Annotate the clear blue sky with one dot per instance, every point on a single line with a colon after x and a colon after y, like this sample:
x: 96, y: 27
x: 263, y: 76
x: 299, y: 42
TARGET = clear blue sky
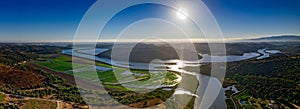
x: 57, y: 20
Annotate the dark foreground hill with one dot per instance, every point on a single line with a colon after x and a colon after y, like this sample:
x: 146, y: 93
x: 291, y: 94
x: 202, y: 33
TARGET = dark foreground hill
x: 275, y: 78
x: 19, y: 78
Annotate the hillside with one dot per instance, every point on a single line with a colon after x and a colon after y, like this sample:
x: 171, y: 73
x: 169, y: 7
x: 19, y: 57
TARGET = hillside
x: 142, y: 52
x: 19, y: 79
x: 275, y: 78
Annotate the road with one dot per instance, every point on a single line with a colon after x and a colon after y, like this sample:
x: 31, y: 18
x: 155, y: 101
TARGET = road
x: 233, y: 88
x: 235, y: 107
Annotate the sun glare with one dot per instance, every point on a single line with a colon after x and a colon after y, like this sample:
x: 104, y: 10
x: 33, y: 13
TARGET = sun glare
x: 181, y: 13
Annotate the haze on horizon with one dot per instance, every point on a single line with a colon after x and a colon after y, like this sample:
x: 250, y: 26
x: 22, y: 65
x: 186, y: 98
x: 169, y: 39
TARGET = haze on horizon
x: 57, y: 20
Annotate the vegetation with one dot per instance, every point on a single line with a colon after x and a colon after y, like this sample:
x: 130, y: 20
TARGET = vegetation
x: 275, y: 79
x: 128, y: 97
x: 45, y: 85
x: 19, y: 78
x: 16, y: 54
x: 12, y: 77
x: 28, y: 104
x: 37, y: 104
x: 59, y: 63
x: 242, y: 96
x: 2, y: 97
x: 229, y: 103
x: 49, y: 85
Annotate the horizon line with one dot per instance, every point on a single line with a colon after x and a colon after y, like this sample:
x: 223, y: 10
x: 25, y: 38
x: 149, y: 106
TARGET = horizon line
x: 153, y: 39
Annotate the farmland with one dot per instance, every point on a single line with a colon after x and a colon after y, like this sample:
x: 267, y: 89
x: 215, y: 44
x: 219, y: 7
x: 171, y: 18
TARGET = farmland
x: 63, y: 64
x: 58, y: 63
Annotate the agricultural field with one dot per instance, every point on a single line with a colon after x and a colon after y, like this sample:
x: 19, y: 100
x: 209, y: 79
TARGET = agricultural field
x: 112, y: 79
x: 58, y: 63
x: 108, y: 78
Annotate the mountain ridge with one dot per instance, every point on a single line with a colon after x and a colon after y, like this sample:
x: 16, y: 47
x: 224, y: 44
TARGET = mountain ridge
x: 277, y: 38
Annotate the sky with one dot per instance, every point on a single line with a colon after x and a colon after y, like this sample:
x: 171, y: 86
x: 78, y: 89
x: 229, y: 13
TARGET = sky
x: 57, y: 20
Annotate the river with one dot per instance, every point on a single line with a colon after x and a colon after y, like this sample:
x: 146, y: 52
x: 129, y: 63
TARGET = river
x: 215, y: 86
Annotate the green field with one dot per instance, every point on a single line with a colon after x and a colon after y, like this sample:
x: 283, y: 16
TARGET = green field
x: 242, y: 96
x: 59, y: 63
x: 64, y: 63
x: 108, y: 78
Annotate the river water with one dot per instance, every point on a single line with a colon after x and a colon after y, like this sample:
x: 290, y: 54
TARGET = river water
x: 203, y: 91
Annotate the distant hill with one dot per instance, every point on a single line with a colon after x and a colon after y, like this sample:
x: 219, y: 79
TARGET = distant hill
x: 278, y: 38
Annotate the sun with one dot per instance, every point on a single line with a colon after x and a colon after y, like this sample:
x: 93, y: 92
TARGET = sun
x: 182, y: 13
